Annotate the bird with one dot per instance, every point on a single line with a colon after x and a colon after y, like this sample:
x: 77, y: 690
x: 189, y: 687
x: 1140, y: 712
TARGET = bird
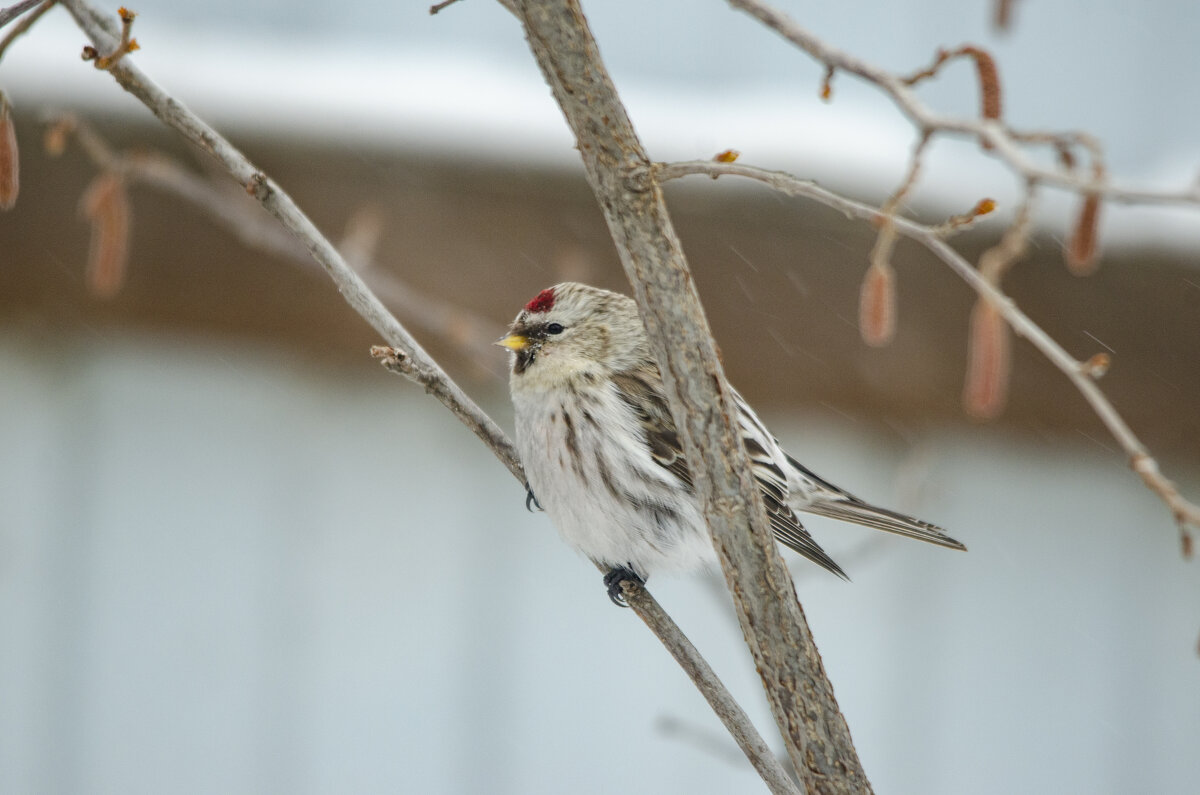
x: 603, y: 458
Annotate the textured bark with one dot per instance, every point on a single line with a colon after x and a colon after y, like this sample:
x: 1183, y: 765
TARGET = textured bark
x: 623, y: 179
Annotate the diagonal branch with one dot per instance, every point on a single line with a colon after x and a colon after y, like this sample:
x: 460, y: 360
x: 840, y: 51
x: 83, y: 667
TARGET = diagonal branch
x: 106, y: 37
x: 650, y: 611
x: 17, y: 9
x: 621, y: 176
x: 409, y: 354
x: 471, y: 335
x: 1185, y: 512
x: 24, y: 25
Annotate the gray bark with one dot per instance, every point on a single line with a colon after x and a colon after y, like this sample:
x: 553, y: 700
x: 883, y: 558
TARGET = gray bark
x: 620, y: 173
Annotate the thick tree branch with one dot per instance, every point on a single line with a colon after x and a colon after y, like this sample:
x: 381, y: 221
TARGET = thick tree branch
x: 407, y: 357
x: 622, y: 178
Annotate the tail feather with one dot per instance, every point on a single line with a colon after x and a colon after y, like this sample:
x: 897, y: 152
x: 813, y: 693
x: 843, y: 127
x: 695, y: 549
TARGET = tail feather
x: 853, y: 510
x: 800, y: 541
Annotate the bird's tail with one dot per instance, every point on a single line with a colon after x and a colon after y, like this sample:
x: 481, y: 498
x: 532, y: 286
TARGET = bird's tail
x: 851, y: 509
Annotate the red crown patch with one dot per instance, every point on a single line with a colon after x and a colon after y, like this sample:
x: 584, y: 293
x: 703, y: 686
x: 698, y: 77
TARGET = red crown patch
x: 542, y: 302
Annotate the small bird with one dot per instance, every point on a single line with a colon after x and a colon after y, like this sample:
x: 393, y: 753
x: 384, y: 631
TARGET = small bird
x: 603, y: 456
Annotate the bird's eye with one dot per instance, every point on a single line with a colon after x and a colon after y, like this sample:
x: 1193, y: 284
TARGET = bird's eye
x: 554, y: 328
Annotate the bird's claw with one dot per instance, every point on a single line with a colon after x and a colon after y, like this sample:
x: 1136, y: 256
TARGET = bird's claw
x: 613, y: 581
x: 530, y: 498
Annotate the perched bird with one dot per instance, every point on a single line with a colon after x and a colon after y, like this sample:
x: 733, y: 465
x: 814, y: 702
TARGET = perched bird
x: 604, y: 460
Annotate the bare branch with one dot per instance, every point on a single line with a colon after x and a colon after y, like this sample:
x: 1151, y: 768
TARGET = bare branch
x: 637, y: 597
x: 990, y: 131
x: 959, y: 223
x: 997, y: 260
x: 279, y: 204
x: 622, y: 178
x: 127, y: 44
x: 17, y: 9
x: 24, y: 25
x: 728, y: 710
x: 469, y: 333
x: 877, y: 299
x: 408, y: 354
x: 1081, y: 374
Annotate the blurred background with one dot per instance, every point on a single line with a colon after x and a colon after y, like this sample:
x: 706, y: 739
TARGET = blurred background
x: 237, y: 556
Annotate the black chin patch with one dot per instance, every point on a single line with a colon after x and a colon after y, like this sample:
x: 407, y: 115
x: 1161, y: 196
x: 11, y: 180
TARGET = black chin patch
x: 525, y: 358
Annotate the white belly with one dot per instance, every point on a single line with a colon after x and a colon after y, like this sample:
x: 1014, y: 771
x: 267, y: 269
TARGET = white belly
x: 593, y: 474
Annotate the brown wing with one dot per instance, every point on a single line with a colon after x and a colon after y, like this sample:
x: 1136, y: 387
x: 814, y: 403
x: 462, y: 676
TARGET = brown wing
x: 643, y: 392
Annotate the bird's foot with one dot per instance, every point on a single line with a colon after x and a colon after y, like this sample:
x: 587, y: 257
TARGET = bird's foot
x: 613, y: 581
x: 530, y: 498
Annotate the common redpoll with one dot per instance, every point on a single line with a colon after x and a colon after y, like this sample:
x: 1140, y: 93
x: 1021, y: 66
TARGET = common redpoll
x: 604, y: 460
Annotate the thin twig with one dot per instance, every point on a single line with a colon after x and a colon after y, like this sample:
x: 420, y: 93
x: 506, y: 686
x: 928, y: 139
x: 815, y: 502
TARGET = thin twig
x: 276, y: 201
x: 992, y: 132
x: 17, y: 9
x: 1186, y: 513
x: 103, y: 33
x: 638, y: 598
x: 470, y: 334
x: 25, y: 24
x: 127, y: 44
x: 877, y: 297
x: 701, y: 738
x: 729, y: 711
x: 998, y: 259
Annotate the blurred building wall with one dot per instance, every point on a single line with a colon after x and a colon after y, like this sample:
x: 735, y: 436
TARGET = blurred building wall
x: 224, y: 570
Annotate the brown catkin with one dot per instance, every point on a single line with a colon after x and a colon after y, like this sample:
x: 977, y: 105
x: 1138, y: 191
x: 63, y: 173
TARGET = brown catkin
x: 10, y: 165
x: 1082, y: 248
x: 989, y: 84
x: 105, y: 204
x: 988, y: 363
x: 1002, y: 14
x: 877, y: 304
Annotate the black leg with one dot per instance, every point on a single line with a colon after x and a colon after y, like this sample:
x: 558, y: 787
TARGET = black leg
x: 529, y: 498
x: 613, y: 581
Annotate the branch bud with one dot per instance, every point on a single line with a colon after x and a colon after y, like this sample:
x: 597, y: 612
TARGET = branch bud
x: 1097, y: 366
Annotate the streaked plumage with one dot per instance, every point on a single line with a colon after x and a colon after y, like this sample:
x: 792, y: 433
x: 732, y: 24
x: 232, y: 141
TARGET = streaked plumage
x: 603, y: 457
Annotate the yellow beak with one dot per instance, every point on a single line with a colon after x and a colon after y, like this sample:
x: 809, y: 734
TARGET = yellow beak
x: 514, y: 342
